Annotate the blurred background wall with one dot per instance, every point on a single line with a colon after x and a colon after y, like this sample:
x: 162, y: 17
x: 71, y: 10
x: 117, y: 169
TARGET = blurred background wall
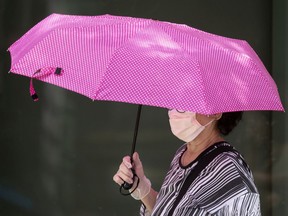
x: 58, y: 155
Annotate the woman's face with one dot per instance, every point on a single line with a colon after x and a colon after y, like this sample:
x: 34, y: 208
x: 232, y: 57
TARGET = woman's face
x: 188, y: 125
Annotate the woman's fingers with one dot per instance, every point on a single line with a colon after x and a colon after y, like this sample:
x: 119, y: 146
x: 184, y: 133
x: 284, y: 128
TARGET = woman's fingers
x: 117, y: 179
x: 127, y: 162
x: 125, y: 170
x: 121, y: 177
x: 124, y: 173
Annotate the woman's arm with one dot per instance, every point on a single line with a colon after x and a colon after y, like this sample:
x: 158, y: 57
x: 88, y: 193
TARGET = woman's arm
x: 150, y: 200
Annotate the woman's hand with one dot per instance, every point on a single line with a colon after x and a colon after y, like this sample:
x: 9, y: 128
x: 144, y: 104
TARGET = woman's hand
x: 125, y: 174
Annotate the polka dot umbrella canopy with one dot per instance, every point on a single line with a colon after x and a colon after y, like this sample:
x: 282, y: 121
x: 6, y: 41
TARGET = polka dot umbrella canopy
x: 145, y: 61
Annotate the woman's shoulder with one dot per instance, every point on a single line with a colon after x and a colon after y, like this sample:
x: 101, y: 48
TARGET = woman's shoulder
x: 230, y: 154
x: 232, y: 165
x: 234, y: 156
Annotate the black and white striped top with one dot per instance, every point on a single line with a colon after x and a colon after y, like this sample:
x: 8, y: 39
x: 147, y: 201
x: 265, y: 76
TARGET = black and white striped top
x: 224, y: 188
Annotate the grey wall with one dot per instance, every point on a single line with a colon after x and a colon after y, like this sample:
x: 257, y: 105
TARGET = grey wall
x: 58, y: 155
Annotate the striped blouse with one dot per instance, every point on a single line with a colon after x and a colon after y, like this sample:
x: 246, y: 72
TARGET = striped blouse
x: 224, y: 188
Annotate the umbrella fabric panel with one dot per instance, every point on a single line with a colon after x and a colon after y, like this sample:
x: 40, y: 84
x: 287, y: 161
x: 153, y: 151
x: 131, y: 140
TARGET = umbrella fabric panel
x: 152, y: 69
x: 83, y: 54
x: 237, y: 85
x: 230, y: 70
x: 214, y: 79
x: 71, y: 47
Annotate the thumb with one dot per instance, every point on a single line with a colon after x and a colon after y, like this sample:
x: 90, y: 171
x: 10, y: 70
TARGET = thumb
x: 136, y: 160
x: 127, y: 162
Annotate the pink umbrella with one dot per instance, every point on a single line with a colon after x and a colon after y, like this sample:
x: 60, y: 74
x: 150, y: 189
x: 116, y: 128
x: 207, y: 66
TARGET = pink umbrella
x: 143, y: 61
x: 147, y: 62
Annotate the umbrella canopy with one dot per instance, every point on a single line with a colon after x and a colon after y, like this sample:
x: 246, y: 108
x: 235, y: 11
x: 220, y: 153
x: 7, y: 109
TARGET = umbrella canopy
x: 144, y: 61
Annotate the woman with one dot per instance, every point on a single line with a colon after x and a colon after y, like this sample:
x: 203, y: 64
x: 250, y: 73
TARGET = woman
x: 224, y: 186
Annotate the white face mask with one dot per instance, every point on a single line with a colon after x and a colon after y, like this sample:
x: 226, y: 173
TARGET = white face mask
x: 184, y: 125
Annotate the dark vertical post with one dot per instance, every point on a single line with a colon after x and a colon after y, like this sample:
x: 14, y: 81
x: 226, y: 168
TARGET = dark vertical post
x: 279, y: 191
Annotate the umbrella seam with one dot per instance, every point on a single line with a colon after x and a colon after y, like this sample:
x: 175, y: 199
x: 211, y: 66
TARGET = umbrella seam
x: 204, y: 92
x: 106, y: 16
x: 213, y: 44
x: 94, y: 95
x: 260, y: 72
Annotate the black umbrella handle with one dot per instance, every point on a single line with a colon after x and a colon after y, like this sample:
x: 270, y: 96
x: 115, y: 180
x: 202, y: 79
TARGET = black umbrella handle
x: 126, y: 185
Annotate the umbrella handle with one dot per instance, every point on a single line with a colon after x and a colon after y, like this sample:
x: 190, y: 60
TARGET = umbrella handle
x: 125, y: 185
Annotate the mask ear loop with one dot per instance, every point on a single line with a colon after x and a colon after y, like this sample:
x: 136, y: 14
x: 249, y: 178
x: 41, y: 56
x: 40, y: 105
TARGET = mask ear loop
x: 209, y: 123
x: 216, y: 119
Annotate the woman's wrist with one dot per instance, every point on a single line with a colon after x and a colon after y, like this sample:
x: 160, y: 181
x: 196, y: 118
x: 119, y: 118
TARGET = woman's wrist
x: 142, y: 190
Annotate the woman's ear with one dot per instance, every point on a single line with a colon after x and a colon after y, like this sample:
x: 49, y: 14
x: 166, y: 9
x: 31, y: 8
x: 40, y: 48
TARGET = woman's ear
x: 217, y: 116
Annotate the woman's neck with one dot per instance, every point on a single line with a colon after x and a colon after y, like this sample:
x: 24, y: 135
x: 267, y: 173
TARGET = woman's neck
x: 197, y: 146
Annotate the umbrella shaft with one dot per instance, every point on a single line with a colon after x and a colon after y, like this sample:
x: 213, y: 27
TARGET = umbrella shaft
x: 136, y: 132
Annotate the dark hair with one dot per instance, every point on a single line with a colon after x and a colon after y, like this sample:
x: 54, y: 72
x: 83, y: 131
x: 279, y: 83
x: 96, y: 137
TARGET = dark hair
x: 228, y: 121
